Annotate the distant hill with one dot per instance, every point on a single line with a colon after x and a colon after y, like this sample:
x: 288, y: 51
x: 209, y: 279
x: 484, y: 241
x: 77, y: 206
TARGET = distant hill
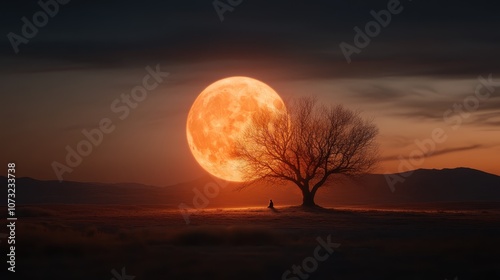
x: 422, y: 186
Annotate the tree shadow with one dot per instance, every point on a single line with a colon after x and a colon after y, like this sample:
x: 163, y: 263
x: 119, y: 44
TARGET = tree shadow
x: 316, y: 209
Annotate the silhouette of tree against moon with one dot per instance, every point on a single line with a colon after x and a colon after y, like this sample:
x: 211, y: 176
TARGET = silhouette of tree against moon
x: 307, y: 145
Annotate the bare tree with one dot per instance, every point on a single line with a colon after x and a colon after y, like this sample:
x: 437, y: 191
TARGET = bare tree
x: 307, y: 145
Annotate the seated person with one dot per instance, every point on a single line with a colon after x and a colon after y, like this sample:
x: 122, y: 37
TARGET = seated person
x: 271, y: 204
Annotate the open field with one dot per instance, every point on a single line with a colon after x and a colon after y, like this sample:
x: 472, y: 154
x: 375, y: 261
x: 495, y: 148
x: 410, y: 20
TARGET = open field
x: 151, y: 242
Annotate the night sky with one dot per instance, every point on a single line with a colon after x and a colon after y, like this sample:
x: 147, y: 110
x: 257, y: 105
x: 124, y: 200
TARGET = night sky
x: 425, y: 62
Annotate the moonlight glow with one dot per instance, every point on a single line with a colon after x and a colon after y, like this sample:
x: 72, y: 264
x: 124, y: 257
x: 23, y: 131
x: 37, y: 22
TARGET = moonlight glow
x: 219, y: 117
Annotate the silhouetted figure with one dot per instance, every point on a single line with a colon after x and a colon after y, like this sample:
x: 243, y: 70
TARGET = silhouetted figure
x: 271, y: 204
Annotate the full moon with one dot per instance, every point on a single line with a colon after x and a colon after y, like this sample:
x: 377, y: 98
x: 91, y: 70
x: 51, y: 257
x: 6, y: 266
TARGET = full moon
x: 218, y: 118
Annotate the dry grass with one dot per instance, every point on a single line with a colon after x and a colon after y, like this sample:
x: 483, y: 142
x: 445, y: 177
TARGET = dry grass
x: 86, y: 242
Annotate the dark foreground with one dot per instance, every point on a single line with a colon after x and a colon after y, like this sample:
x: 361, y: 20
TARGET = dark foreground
x: 90, y: 242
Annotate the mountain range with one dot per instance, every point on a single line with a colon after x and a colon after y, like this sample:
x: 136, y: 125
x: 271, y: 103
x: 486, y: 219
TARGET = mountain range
x: 417, y: 187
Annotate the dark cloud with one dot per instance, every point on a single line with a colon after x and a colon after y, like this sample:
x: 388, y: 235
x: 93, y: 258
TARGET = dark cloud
x: 434, y: 110
x: 427, y: 39
x: 440, y: 152
x: 430, y: 102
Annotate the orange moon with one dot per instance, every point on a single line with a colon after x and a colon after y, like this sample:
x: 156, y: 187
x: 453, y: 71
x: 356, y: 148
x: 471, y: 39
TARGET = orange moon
x: 218, y: 118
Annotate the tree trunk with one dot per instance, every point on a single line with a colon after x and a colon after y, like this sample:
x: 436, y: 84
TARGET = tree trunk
x: 308, y: 199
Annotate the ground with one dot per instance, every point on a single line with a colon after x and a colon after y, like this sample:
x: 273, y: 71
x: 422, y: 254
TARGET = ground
x: 151, y: 242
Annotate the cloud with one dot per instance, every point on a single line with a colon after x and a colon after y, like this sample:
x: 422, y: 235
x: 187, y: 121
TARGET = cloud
x: 294, y: 35
x: 441, y: 152
x: 428, y: 99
